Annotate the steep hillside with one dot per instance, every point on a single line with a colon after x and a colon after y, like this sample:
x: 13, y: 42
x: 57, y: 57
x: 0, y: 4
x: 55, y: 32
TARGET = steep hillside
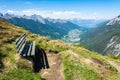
x: 104, y: 39
x: 12, y: 66
x: 54, y: 28
x: 66, y: 61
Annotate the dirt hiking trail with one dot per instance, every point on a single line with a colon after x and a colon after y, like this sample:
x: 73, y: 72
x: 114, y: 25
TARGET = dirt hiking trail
x: 55, y: 72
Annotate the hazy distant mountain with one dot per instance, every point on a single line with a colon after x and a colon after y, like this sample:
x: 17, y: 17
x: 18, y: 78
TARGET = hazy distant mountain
x: 7, y: 16
x: 104, y: 39
x: 1, y: 14
x: 54, y: 28
x: 88, y: 23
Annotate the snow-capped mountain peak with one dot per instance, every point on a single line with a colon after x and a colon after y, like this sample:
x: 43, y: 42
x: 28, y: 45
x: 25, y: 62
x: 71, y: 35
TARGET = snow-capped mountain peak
x: 35, y: 17
x: 7, y: 15
x: 114, y: 21
x: 38, y: 17
x: 1, y: 14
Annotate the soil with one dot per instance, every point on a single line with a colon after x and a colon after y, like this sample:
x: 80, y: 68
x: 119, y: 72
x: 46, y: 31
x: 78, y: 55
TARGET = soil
x: 55, y: 72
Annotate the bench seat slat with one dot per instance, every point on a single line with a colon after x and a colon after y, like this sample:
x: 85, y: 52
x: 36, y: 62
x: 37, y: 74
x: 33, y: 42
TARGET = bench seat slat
x: 22, y: 48
x: 30, y: 49
x: 25, y: 50
x: 33, y: 49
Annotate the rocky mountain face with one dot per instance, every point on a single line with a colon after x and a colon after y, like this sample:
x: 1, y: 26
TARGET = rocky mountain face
x: 105, y: 38
x: 53, y: 28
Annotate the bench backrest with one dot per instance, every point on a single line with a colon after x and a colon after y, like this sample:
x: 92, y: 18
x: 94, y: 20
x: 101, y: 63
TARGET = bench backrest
x: 20, y: 43
x: 24, y: 47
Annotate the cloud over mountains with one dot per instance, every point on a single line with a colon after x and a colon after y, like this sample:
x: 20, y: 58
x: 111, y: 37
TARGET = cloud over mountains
x: 54, y: 14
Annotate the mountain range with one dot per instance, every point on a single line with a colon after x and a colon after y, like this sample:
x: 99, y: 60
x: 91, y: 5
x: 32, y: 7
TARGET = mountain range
x: 88, y: 23
x: 53, y: 28
x: 104, y: 39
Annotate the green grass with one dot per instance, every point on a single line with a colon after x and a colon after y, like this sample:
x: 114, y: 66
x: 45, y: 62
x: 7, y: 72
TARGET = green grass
x: 10, y: 68
x: 21, y: 74
x: 115, y: 77
x: 15, y: 71
x: 51, y: 45
x: 114, y: 57
x: 84, y: 53
x: 75, y: 70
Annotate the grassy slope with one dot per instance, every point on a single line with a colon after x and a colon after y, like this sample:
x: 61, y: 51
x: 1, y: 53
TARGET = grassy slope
x: 11, y: 65
x: 82, y: 64
x: 78, y: 63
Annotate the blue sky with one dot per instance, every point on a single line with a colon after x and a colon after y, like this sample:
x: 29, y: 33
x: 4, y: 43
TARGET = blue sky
x: 84, y: 9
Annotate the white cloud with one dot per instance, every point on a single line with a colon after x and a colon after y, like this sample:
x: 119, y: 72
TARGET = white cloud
x: 47, y: 13
x: 66, y: 14
x: 56, y: 14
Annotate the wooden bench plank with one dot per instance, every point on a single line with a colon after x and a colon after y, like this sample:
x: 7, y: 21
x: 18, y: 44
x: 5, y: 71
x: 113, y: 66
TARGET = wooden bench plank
x: 33, y: 49
x: 21, y: 49
x: 30, y: 49
x: 21, y: 45
x: 17, y: 40
x: 25, y: 50
x: 21, y: 41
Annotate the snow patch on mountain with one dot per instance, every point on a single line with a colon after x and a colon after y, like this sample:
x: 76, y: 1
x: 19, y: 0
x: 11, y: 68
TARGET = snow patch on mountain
x: 114, y: 21
x: 39, y: 18
x: 35, y: 18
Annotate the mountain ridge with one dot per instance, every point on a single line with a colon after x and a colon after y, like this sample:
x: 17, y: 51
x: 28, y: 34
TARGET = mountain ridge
x: 104, y: 39
x: 54, y: 28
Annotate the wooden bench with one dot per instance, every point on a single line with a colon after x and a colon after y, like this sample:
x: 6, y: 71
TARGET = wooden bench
x: 24, y: 47
x: 37, y: 55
